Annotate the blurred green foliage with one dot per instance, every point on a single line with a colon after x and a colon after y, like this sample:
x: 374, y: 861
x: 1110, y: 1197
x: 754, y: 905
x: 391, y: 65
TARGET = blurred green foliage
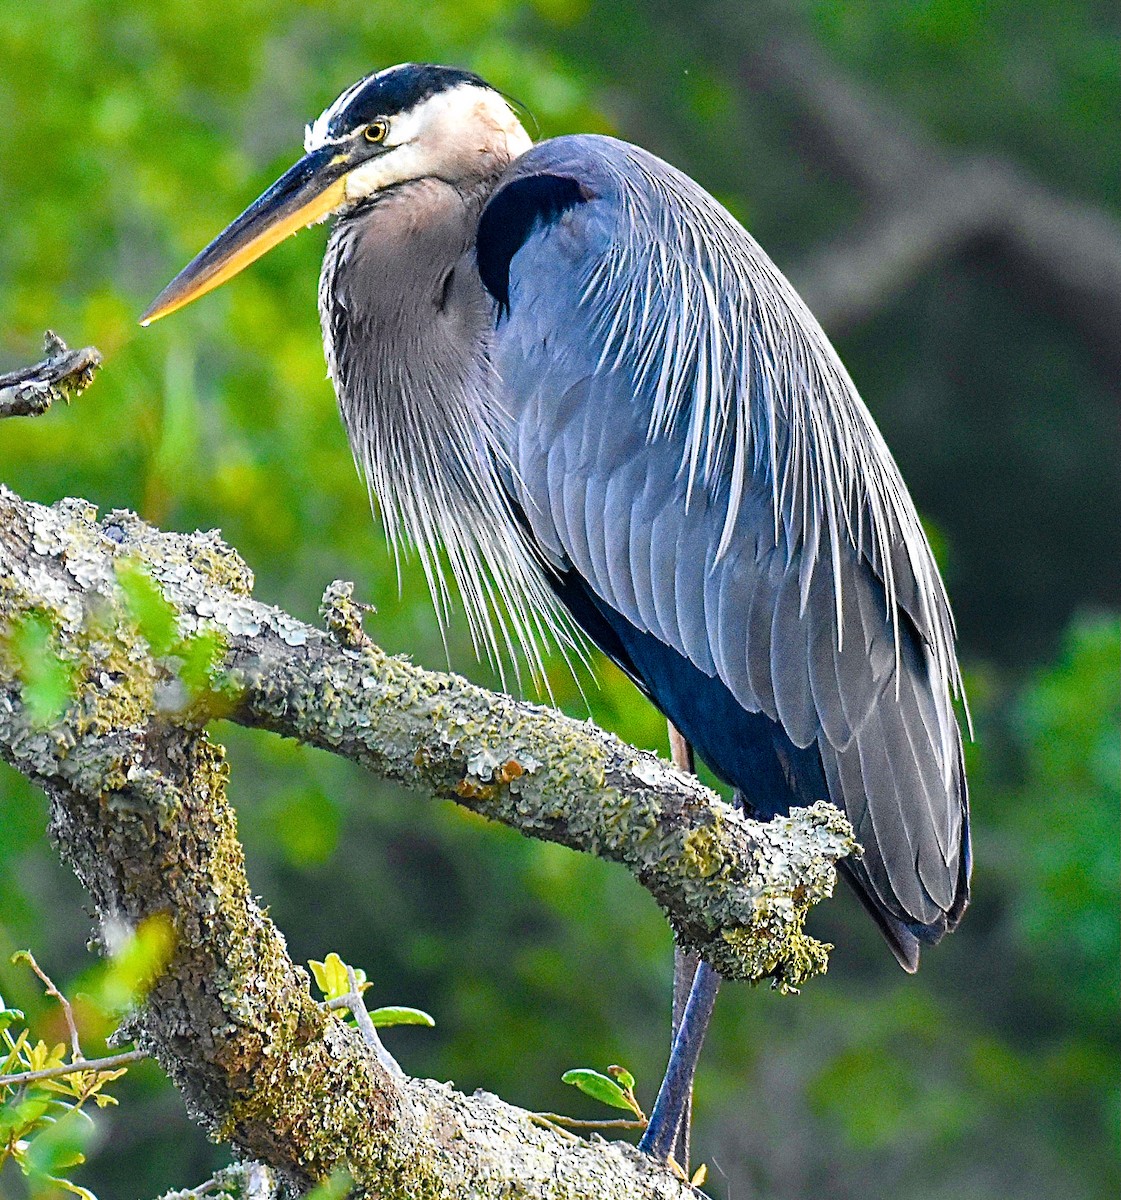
x: 135, y: 131
x: 46, y: 1129
x: 198, y: 655
x: 48, y: 684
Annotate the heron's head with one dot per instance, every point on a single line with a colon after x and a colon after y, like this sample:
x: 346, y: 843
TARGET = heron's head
x: 414, y: 121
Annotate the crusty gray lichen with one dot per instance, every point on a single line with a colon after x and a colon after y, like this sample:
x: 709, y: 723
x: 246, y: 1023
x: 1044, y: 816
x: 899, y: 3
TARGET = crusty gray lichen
x: 139, y: 809
x: 734, y: 889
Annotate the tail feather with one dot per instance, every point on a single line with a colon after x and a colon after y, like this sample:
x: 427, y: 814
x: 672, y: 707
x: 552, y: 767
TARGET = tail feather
x: 901, y: 941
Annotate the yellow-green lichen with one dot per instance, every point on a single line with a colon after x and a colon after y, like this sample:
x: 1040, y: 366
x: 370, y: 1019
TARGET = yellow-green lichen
x: 788, y: 957
x: 281, y: 1078
x: 703, y: 850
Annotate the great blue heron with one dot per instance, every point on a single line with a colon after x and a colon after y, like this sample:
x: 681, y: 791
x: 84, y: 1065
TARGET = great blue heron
x: 567, y: 372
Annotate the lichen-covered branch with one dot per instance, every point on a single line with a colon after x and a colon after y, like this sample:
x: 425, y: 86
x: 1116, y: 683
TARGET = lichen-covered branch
x: 139, y: 808
x: 61, y: 375
x: 734, y: 889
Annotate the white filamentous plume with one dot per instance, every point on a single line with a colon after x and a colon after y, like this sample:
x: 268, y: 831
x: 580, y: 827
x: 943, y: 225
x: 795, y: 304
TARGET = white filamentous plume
x: 434, y: 471
x: 730, y: 351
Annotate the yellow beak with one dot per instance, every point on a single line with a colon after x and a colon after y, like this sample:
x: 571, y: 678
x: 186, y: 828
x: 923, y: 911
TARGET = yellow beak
x: 307, y: 193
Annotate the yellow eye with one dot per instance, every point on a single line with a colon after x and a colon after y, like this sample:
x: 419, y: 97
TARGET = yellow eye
x: 376, y: 131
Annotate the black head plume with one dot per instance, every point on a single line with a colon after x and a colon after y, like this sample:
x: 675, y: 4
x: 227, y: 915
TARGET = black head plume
x: 389, y: 92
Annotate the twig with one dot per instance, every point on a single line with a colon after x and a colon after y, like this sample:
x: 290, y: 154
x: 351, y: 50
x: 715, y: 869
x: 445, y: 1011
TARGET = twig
x: 357, y: 1006
x: 67, y: 1011
x: 542, y: 1120
x: 61, y: 375
x: 576, y: 1123
x: 80, y: 1067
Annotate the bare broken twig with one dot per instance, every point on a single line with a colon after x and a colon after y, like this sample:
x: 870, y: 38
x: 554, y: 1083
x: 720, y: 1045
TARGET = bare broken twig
x: 80, y: 1067
x: 61, y: 375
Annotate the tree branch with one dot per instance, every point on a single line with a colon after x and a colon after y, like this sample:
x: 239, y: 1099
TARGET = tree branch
x: 138, y: 807
x: 62, y: 375
x: 79, y: 1066
x: 927, y: 204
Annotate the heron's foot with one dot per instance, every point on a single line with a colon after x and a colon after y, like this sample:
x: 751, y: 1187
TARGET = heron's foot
x: 677, y: 1086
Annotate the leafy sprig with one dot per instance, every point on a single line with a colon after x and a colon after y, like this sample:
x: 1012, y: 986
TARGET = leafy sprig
x: 332, y: 980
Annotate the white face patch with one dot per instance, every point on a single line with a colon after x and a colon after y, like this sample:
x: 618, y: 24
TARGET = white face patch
x: 463, y: 133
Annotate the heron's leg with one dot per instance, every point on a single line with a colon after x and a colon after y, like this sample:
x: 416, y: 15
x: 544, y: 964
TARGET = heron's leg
x: 684, y: 967
x: 661, y: 1134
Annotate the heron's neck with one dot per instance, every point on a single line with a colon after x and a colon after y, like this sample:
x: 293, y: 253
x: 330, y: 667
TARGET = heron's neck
x: 407, y: 327
x: 405, y: 323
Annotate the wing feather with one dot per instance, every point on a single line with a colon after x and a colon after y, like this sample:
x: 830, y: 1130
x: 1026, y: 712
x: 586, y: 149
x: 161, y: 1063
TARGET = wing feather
x: 572, y: 530
x: 689, y: 591
x: 758, y: 623
x: 624, y: 489
x: 790, y: 674
x: 831, y: 660
x: 716, y: 481
x: 644, y: 508
x: 663, y: 573
x: 595, y: 517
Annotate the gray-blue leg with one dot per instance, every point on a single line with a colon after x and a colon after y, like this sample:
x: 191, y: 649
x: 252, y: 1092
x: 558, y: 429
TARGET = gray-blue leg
x: 684, y: 968
x: 661, y: 1134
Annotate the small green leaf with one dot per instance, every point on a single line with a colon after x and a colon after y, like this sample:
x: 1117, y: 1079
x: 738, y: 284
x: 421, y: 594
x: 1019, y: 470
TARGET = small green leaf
x: 330, y: 975
x: 154, y: 616
x: 622, y: 1077
x: 397, y: 1015
x: 9, y: 1016
x: 598, y: 1086
x: 61, y: 1145
x: 68, y: 1185
x: 17, y: 1120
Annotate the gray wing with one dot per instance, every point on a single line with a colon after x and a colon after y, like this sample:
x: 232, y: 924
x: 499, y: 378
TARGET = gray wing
x: 684, y: 436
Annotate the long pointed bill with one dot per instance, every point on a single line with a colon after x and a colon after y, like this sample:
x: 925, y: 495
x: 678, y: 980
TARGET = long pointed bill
x: 303, y: 195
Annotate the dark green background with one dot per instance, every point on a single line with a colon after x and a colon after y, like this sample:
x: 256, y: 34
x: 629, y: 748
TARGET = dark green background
x: 130, y: 133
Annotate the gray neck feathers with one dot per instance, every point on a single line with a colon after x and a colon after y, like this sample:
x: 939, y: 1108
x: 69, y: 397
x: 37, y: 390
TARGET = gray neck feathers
x: 406, y: 325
